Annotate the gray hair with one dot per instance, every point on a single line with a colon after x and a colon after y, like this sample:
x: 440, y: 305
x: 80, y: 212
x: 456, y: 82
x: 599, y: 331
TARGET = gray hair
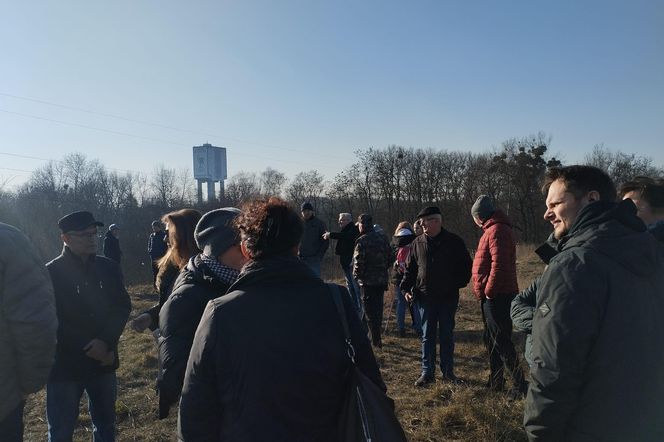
x: 346, y: 216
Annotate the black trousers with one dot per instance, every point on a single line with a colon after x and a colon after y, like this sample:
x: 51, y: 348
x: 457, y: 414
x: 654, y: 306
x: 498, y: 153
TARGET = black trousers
x: 11, y: 427
x: 372, y: 297
x: 498, y: 342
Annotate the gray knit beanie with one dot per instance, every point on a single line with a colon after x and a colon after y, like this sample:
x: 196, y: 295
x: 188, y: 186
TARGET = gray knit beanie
x: 215, y: 233
x: 483, y: 208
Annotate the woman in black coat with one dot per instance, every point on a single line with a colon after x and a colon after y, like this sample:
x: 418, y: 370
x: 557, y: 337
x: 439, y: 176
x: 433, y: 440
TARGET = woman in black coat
x: 269, y: 359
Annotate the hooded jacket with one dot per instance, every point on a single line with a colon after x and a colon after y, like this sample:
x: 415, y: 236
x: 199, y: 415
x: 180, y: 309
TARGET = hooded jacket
x: 269, y: 359
x: 178, y: 319
x: 598, y: 357
x: 28, y: 321
x: 494, y: 266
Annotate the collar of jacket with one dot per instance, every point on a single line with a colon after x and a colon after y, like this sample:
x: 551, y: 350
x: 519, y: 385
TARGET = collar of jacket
x: 69, y: 255
x: 276, y: 270
x: 599, y: 212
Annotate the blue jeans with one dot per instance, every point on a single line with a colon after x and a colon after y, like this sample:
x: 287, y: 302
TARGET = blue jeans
x: 353, y: 289
x: 402, y: 305
x: 313, y: 263
x: 62, y: 407
x: 438, y: 321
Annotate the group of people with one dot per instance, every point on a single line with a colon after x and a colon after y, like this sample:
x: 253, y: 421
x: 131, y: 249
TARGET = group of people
x: 251, y: 345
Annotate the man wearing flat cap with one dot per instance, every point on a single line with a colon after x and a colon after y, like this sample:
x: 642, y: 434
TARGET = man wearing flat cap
x: 437, y: 267
x: 206, y: 276
x: 92, y: 306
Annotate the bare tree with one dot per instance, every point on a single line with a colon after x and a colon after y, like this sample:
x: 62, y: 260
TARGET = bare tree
x: 271, y: 182
x: 163, y: 185
x: 241, y: 187
x: 306, y: 186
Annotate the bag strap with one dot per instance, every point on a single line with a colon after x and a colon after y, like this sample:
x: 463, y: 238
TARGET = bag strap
x: 336, y: 297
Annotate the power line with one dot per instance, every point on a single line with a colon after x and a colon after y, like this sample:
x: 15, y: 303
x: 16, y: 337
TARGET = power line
x: 160, y: 125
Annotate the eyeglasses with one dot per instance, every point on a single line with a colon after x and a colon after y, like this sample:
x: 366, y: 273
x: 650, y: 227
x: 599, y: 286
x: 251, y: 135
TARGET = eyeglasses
x: 85, y: 234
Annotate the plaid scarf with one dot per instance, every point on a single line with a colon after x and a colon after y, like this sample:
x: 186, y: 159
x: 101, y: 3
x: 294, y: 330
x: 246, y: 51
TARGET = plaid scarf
x: 220, y: 271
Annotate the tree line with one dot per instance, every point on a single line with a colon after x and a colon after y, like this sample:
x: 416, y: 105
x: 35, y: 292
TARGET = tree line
x: 391, y: 183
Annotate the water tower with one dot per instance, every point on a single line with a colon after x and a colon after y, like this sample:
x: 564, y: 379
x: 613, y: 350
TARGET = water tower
x: 209, y: 168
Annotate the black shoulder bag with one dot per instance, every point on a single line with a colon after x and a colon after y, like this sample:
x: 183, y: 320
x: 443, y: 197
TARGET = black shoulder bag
x: 367, y: 413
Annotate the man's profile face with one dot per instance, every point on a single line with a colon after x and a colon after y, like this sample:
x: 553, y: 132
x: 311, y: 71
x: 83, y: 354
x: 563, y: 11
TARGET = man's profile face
x: 432, y: 224
x: 82, y: 242
x: 343, y: 221
x: 562, y: 208
x: 307, y: 214
x: 643, y: 208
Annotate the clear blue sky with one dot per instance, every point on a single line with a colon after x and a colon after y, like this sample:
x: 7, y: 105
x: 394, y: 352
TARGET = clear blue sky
x: 299, y: 85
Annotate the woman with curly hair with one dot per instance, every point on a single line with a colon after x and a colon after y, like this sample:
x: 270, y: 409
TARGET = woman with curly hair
x: 269, y: 359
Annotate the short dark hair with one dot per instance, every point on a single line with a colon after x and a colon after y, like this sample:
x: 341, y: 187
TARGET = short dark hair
x: 269, y: 227
x: 579, y: 180
x: 651, y: 190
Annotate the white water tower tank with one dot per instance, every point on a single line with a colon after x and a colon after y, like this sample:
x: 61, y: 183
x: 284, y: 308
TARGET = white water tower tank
x: 210, y: 163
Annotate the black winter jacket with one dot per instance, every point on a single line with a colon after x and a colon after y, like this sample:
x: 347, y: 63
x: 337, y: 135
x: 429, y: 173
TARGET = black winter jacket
x: 157, y: 245
x: 178, y: 319
x: 598, y: 369
x: 345, y: 243
x: 269, y: 360
x: 313, y: 245
x: 91, y: 302
x: 437, y: 267
x: 112, y: 247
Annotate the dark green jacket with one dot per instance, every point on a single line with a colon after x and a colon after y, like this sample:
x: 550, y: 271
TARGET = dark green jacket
x: 598, y: 333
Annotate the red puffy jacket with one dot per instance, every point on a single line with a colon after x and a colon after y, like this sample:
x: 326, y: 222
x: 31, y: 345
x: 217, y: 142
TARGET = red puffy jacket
x: 494, y: 266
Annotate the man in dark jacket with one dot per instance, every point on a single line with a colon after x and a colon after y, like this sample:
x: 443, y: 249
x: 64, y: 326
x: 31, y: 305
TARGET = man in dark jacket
x: 597, y: 328
x: 156, y: 247
x: 495, y: 285
x: 207, y: 276
x: 438, y: 266
x: 28, y: 325
x: 112, y: 243
x: 313, y: 245
x: 345, y: 246
x: 648, y: 196
x: 372, y: 259
x: 93, y: 307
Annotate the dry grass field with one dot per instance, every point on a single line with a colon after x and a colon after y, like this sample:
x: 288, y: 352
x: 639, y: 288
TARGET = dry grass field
x: 439, y: 412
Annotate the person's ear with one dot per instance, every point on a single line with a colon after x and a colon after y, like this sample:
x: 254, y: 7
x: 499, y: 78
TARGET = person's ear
x: 245, y: 250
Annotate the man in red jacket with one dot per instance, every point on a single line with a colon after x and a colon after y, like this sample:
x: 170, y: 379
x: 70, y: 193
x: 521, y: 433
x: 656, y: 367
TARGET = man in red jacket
x: 495, y: 285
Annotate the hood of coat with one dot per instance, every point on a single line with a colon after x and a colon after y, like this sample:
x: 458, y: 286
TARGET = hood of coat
x: 614, y: 230
x: 498, y: 217
x: 403, y: 241
x: 276, y: 270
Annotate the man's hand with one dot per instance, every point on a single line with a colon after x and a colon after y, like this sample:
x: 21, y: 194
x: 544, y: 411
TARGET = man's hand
x: 141, y: 322
x: 96, y: 349
x: 326, y: 235
x: 408, y: 296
